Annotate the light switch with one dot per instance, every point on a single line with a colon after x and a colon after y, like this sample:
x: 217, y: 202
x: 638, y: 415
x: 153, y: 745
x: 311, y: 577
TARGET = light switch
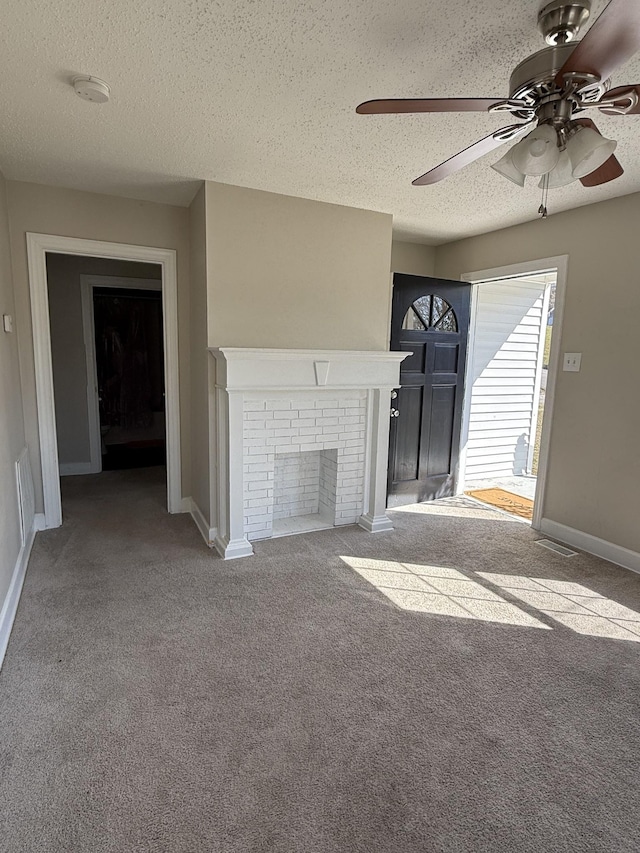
x: 7, y: 322
x: 572, y: 361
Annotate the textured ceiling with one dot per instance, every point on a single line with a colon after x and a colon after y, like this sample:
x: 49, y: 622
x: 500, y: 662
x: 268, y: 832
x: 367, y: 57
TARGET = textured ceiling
x: 261, y: 93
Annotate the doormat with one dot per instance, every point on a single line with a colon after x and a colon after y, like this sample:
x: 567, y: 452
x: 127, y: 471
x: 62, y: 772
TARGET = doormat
x: 505, y: 500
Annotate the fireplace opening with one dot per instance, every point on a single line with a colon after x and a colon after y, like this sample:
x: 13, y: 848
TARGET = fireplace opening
x: 304, y: 491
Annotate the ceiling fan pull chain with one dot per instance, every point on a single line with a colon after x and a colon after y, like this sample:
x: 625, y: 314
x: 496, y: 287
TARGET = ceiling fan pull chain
x: 542, y: 210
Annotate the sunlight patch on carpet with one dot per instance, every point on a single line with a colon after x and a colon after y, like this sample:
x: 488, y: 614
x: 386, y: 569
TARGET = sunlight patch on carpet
x: 573, y: 605
x: 439, y: 590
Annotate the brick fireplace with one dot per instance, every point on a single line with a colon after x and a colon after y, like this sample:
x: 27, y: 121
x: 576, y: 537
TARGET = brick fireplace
x: 302, y: 442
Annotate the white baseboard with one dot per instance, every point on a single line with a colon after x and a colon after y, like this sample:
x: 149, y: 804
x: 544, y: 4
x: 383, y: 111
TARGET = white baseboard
x: 208, y: 533
x: 70, y: 469
x: 375, y: 524
x: 232, y: 549
x: 10, y: 605
x: 592, y: 544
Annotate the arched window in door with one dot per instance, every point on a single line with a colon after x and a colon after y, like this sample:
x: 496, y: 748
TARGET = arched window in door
x: 430, y: 312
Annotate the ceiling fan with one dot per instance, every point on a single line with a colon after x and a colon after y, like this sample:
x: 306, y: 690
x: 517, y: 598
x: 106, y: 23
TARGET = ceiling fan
x: 549, y: 92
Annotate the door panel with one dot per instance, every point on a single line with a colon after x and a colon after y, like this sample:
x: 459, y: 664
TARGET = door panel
x: 430, y: 319
x: 405, y: 461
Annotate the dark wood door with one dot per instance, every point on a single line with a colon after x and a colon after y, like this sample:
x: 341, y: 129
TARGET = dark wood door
x: 430, y: 319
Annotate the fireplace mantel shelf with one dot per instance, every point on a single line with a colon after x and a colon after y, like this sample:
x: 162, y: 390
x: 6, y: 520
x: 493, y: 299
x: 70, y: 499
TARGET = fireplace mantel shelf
x: 255, y: 369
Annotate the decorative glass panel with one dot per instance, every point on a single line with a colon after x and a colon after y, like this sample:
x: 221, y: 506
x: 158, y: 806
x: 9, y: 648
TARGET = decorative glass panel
x: 447, y: 323
x: 412, y: 321
x: 430, y: 312
x: 439, y: 308
x: 423, y: 307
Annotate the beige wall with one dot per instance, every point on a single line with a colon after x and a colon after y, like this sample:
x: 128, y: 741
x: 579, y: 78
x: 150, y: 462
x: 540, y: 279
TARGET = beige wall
x: 12, y: 438
x: 413, y: 258
x: 594, y: 465
x: 51, y: 210
x: 68, y: 345
x: 200, y: 476
x: 290, y: 272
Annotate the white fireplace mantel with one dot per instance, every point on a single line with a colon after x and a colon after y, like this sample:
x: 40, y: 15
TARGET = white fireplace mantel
x: 254, y: 385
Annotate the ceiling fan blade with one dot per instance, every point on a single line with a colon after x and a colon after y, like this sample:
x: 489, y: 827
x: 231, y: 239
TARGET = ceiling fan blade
x: 609, y: 43
x: 468, y: 155
x: 427, y: 105
x: 610, y: 169
x: 623, y: 92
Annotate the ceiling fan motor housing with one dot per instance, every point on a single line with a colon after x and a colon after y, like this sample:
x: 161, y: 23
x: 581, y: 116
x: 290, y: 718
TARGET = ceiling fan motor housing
x: 534, y: 78
x: 560, y: 21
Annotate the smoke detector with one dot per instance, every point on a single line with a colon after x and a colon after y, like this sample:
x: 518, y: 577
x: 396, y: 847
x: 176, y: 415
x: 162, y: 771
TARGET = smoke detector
x: 91, y: 89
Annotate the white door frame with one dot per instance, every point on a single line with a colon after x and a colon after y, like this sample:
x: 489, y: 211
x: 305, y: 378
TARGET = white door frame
x: 37, y: 247
x: 87, y: 284
x: 559, y: 265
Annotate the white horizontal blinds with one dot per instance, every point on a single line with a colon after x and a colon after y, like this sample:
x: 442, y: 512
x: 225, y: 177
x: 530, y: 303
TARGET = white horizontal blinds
x: 504, y: 373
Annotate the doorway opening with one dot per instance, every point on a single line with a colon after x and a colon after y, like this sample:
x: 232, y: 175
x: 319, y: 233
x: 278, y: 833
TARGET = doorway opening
x: 154, y: 376
x: 110, y: 409
x: 509, y: 389
x: 430, y: 321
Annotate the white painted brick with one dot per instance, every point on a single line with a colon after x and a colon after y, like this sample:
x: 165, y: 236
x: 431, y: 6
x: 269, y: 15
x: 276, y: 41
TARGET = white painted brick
x: 258, y: 467
x: 257, y: 415
x: 349, y: 479
x: 277, y: 405
x: 253, y: 433
x: 254, y: 405
x: 279, y: 415
x: 259, y: 458
x: 260, y: 534
x: 329, y: 439
x: 348, y: 467
x: 253, y: 502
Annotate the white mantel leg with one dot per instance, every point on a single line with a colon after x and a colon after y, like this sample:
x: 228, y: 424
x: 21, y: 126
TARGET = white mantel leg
x: 374, y: 519
x: 230, y: 541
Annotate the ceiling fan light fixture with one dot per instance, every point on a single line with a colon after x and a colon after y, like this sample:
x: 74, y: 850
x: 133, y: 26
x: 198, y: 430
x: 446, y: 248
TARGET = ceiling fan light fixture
x: 505, y: 167
x: 560, y: 175
x: 537, y: 153
x: 588, y: 150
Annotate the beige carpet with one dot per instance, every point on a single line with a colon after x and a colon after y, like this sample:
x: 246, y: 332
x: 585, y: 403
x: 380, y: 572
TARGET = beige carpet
x: 450, y: 686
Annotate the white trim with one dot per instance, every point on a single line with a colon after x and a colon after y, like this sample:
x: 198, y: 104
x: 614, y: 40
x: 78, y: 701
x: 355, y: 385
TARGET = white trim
x: 591, y: 544
x: 12, y: 598
x: 37, y: 247
x: 559, y: 265
x: 232, y: 549
x: 93, y: 405
x: 208, y: 533
x: 538, y: 378
x: 71, y: 469
x: 87, y: 284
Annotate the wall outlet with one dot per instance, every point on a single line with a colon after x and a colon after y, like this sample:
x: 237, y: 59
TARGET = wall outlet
x: 572, y: 361
x: 7, y: 322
